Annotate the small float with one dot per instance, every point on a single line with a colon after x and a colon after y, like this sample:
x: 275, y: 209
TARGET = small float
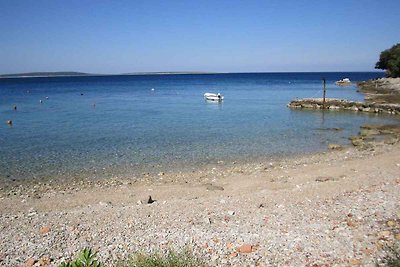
x: 343, y: 82
x: 214, y: 97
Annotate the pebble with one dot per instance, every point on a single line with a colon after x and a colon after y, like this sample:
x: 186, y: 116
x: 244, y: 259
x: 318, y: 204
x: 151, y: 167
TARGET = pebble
x: 231, y: 212
x: 30, y: 262
x: 391, y: 223
x: 44, y: 230
x: 245, y: 248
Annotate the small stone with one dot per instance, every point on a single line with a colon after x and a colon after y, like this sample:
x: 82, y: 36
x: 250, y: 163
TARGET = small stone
x: 245, y: 248
x: 233, y: 254
x: 335, y: 147
x: 350, y: 223
x: 355, y: 262
x: 212, y: 187
x: 384, y: 234
x: 44, y: 230
x: 391, y: 223
x: 44, y: 261
x: 105, y: 204
x: 397, y: 236
x: 150, y: 200
x: 139, y: 202
x: 231, y: 212
x: 324, y: 179
x: 30, y: 262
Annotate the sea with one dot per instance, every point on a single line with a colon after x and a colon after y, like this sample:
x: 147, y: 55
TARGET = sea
x: 98, y: 127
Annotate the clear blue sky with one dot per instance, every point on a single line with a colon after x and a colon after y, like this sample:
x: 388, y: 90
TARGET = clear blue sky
x: 221, y: 36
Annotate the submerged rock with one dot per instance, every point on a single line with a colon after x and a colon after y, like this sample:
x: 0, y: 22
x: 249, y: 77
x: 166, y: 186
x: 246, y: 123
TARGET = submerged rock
x: 212, y: 187
x: 335, y: 147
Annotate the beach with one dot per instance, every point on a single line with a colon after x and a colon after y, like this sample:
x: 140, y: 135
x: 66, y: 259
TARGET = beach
x: 334, y: 208
x: 339, y: 207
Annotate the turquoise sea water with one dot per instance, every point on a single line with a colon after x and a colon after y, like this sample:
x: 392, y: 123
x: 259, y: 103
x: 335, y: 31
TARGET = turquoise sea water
x: 102, y: 126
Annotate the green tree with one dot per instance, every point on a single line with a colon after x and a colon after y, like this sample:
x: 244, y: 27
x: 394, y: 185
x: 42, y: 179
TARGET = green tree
x: 389, y: 60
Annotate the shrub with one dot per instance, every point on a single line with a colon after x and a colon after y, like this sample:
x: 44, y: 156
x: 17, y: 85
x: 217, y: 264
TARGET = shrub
x: 185, y: 258
x: 86, y: 258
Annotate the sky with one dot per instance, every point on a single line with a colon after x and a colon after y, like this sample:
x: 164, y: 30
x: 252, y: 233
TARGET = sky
x: 111, y: 37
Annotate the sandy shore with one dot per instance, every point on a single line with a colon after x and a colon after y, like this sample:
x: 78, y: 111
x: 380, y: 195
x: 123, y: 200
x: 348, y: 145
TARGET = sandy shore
x: 329, y: 208
x: 337, y: 208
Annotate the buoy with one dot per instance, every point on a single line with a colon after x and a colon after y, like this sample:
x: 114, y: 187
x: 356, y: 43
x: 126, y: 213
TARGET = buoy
x: 9, y: 122
x: 47, y: 97
x: 15, y: 107
x: 152, y: 89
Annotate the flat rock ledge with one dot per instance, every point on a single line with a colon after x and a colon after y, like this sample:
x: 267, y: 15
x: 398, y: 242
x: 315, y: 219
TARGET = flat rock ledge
x: 341, y: 104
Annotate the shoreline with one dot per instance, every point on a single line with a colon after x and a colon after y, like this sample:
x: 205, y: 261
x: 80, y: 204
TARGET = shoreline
x: 177, y: 175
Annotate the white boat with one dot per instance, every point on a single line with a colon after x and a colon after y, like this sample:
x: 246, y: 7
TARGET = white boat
x: 343, y: 82
x: 214, y: 97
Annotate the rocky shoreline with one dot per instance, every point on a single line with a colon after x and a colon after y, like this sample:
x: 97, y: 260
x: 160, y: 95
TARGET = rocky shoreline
x: 340, y: 104
x: 381, y: 96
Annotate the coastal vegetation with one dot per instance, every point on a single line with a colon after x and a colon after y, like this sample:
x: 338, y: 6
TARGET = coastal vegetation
x: 389, y: 60
x: 88, y: 258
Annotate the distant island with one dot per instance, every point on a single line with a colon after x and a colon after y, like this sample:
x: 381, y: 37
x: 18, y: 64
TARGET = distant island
x: 74, y: 73
x: 44, y: 74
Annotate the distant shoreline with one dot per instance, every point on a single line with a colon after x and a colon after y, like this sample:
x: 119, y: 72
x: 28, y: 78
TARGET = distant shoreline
x: 82, y: 74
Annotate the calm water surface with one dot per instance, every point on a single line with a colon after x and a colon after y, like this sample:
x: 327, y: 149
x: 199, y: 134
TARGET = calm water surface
x: 98, y: 127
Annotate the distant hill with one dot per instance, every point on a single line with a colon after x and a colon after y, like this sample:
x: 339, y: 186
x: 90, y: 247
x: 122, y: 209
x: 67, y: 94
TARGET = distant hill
x: 74, y: 73
x: 44, y: 74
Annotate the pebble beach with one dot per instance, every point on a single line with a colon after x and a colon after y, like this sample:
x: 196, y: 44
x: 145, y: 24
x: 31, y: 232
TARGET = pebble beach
x: 336, y: 208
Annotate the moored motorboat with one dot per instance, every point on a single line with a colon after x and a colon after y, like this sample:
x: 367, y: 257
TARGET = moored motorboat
x: 343, y: 82
x: 213, y: 97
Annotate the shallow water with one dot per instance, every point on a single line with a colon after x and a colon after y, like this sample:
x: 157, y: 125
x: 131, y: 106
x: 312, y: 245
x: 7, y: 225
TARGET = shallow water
x: 102, y: 126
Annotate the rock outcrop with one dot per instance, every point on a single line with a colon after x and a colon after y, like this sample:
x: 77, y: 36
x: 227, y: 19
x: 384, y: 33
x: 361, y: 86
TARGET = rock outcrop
x: 340, y: 104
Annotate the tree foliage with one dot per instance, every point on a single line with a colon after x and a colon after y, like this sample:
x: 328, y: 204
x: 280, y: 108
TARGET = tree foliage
x: 389, y: 60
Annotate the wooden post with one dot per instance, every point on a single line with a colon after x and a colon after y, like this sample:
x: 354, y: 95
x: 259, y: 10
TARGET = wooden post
x: 323, y: 101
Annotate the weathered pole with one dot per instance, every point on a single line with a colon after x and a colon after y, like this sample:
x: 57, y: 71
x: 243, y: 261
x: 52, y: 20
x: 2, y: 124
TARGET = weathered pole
x: 323, y: 101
